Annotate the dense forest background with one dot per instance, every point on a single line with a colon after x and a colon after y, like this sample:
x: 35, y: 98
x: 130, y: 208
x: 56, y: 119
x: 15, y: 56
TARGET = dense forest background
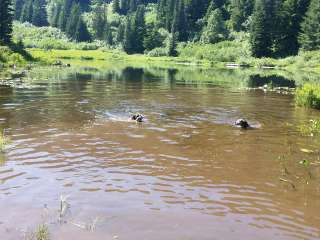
x: 273, y: 28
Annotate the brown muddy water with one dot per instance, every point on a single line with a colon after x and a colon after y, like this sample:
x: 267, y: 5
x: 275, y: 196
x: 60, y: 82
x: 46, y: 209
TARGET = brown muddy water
x: 185, y: 173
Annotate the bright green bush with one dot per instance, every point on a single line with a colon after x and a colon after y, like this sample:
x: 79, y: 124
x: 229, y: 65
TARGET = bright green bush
x: 312, y: 128
x: 226, y: 51
x: 7, y: 56
x: 48, y: 38
x: 158, y: 52
x: 308, y: 96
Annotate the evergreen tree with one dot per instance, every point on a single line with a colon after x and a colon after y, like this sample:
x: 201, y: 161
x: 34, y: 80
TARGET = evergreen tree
x: 310, y: 28
x: 124, y: 5
x: 82, y: 34
x: 180, y: 21
x: 172, y: 44
x: 169, y: 14
x: 64, y: 14
x: 55, y: 15
x: 152, y: 37
x: 288, y: 25
x: 138, y: 29
x: 215, y: 30
x: 26, y: 13
x: 261, y: 30
x: 18, y: 5
x: 6, y: 17
x: 116, y: 6
x: 39, y: 13
x: 73, y: 20
x: 127, y: 39
x: 120, y: 33
x: 99, y: 21
x: 161, y: 13
x: 240, y: 11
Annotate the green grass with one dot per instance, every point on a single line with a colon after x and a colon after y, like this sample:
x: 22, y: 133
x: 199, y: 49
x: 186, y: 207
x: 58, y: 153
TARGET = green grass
x: 308, y: 96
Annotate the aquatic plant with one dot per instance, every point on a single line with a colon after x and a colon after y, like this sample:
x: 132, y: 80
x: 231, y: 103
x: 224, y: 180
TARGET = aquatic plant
x: 312, y: 128
x: 42, y: 232
x: 4, y: 141
x: 308, y: 96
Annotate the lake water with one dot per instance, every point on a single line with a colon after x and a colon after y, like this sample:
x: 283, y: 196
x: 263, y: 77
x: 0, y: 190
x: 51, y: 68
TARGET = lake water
x: 185, y: 173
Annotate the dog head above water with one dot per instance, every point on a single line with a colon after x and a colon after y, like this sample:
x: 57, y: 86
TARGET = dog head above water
x: 137, y: 117
x: 242, y: 123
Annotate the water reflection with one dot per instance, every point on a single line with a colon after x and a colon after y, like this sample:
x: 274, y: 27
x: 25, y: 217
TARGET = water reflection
x: 186, y: 163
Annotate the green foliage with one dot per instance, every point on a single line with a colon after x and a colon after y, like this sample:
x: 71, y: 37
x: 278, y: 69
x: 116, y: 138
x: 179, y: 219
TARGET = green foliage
x: 308, y: 96
x: 310, y: 36
x: 8, y: 56
x: 312, y: 128
x: 240, y: 12
x: 215, y: 31
x: 99, y: 21
x: 42, y: 232
x: 158, y: 52
x: 226, y: 51
x: 261, y: 29
x: 6, y: 16
x: 34, y: 11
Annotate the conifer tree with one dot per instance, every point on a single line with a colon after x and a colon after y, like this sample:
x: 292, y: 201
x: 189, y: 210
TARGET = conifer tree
x: 310, y: 28
x: 138, y: 29
x: 18, y: 5
x: 127, y: 39
x: 152, y: 38
x: 73, y: 20
x: 82, y: 34
x: 240, y: 11
x: 39, y: 13
x: 116, y: 6
x: 99, y: 21
x: 55, y: 15
x: 64, y: 14
x: 6, y: 17
x: 26, y: 13
x: 260, y: 33
x: 215, y: 30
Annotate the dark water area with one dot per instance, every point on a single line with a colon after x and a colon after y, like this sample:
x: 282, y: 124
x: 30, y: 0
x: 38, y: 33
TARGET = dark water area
x: 185, y: 173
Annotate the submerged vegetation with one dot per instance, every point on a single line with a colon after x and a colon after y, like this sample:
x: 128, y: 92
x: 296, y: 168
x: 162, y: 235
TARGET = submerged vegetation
x: 312, y: 128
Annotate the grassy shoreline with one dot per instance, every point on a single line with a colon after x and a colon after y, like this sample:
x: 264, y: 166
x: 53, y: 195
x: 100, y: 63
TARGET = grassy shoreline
x: 304, y: 62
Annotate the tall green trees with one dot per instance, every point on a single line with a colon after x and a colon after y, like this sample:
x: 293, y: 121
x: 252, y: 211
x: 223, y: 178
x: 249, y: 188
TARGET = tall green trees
x: 99, y: 20
x: 310, y: 36
x: 6, y: 16
x: 76, y: 28
x: 34, y: 11
x: 240, y: 11
x: 39, y: 13
x: 64, y: 14
x: 18, y: 5
x: 26, y: 13
x: 215, y: 30
x: 261, y: 33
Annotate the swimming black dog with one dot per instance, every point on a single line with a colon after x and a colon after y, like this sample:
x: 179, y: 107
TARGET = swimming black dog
x: 137, y: 117
x: 242, y: 123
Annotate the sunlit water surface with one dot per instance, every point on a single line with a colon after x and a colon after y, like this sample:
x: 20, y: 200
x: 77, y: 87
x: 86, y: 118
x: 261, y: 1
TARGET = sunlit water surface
x: 185, y: 173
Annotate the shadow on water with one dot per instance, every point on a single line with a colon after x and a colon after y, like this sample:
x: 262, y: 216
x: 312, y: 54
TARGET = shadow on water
x: 272, y: 81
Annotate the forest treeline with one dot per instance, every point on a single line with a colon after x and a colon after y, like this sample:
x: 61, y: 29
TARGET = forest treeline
x: 275, y: 28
